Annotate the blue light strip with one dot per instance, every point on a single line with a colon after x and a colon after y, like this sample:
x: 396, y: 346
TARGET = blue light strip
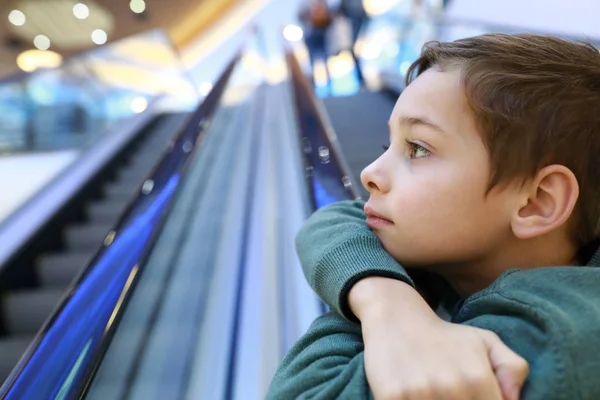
x: 63, y: 358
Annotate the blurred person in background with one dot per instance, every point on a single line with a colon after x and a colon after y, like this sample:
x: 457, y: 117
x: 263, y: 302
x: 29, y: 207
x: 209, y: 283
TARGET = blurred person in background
x: 316, y: 17
x: 355, y: 12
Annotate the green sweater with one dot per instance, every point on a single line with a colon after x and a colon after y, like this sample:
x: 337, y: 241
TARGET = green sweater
x: 550, y: 316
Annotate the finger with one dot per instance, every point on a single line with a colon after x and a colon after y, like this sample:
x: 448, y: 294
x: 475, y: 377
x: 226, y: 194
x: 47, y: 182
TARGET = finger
x: 480, y: 381
x: 510, y: 369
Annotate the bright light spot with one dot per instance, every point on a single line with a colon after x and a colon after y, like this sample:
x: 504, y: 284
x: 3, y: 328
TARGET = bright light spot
x: 205, y: 88
x: 378, y: 7
x: 137, y: 6
x: 17, y: 18
x: 340, y: 65
x: 41, y: 42
x: 404, y: 67
x: 110, y: 238
x: 276, y: 72
x: 99, y: 36
x: 320, y: 73
x: 293, y: 33
x: 81, y: 11
x: 371, y: 51
x: 31, y: 60
x: 359, y: 45
x: 139, y: 105
x: 252, y: 61
x: 148, y: 186
x: 301, y: 53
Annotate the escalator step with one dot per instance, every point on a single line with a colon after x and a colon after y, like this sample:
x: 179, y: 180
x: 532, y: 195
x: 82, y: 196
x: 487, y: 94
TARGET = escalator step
x: 107, y: 210
x: 58, y: 271
x: 144, y: 160
x: 134, y: 174
x: 25, y: 311
x: 12, y: 348
x: 87, y: 237
x: 122, y: 191
x: 150, y: 154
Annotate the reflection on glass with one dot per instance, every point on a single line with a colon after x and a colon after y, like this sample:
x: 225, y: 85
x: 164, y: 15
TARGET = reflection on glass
x: 70, y: 105
x: 393, y: 40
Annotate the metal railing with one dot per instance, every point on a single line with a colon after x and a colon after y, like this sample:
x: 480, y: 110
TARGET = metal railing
x: 65, y: 355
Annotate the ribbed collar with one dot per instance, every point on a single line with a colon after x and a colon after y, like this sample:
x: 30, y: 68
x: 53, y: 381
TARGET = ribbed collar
x: 595, y: 260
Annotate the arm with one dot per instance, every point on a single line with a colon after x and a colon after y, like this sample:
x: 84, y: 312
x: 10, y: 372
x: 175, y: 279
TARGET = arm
x: 548, y: 316
x: 337, y: 249
x: 551, y: 317
x: 326, y: 363
x: 439, y: 360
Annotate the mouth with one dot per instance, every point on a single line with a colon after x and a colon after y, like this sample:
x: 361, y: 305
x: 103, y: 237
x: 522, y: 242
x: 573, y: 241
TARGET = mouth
x: 374, y: 219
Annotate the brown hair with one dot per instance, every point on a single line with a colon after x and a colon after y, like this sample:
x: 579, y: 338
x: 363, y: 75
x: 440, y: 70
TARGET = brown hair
x: 536, y: 99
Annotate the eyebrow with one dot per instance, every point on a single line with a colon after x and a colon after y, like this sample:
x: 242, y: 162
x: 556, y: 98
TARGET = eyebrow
x: 414, y: 121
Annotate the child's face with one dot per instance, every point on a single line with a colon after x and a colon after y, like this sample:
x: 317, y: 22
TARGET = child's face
x: 432, y: 191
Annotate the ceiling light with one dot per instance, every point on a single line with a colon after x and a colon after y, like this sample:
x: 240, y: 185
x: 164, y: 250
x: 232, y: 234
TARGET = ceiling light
x: 41, y: 42
x: 17, y: 18
x: 81, y: 11
x: 137, y: 6
x: 99, y: 36
x: 293, y: 33
x: 31, y: 60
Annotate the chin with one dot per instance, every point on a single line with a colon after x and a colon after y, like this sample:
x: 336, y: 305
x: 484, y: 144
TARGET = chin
x: 406, y: 255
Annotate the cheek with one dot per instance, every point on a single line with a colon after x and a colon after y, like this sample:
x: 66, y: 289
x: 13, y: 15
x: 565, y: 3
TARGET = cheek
x: 441, y: 191
x: 440, y: 214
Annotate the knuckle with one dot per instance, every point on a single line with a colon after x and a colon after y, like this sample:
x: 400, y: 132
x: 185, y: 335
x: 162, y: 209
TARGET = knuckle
x: 523, y: 366
x: 489, y: 334
x: 451, y: 388
x: 476, y: 378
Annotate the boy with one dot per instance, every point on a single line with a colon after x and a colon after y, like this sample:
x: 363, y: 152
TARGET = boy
x: 489, y: 195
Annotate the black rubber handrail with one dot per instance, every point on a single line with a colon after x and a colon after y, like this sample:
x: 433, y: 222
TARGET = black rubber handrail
x: 327, y: 171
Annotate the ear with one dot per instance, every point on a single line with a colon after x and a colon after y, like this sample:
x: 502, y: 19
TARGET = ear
x: 548, y: 202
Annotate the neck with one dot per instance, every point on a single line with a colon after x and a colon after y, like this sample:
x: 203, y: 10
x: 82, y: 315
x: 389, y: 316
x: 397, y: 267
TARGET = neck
x: 471, y: 277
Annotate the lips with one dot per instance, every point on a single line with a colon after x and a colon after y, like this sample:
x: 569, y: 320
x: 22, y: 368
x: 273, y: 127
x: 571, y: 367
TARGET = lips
x: 374, y: 219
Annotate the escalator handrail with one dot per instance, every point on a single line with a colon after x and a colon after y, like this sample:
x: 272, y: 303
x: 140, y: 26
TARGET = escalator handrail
x: 65, y: 355
x: 21, y: 227
x: 323, y: 120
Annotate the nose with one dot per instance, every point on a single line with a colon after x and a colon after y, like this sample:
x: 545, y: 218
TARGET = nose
x: 374, y: 179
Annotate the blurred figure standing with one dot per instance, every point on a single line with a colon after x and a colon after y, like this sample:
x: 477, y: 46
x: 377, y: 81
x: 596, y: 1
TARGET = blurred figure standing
x: 354, y: 11
x: 316, y: 18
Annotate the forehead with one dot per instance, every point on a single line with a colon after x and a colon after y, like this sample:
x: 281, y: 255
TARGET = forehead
x: 438, y: 96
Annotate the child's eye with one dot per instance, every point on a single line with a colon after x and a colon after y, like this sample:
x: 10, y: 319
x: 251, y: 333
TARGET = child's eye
x: 416, y: 150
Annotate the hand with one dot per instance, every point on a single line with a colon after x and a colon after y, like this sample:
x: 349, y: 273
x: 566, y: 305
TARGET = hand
x: 410, y: 353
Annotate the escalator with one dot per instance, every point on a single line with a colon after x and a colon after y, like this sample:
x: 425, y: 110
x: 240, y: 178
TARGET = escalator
x: 29, y: 300
x: 361, y: 124
x: 193, y: 289
x: 179, y: 278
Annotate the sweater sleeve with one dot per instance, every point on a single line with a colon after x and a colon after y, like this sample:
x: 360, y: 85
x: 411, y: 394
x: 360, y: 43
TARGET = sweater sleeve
x: 555, y: 327
x: 326, y: 363
x: 551, y: 317
x: 337, y: 248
